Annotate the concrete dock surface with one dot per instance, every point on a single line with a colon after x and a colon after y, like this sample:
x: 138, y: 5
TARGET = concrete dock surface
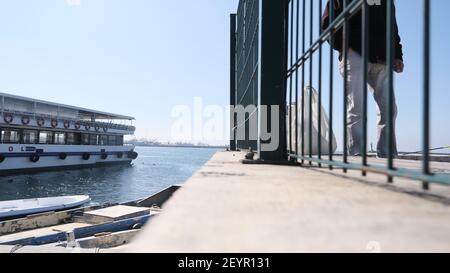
x: 231, y: 207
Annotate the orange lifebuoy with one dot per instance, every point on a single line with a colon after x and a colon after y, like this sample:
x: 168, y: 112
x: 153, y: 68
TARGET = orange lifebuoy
x: 25, y: 120
x: 66, y: 124
x: 54, y: 123
x: 40, y: 122
x: 8, y: 118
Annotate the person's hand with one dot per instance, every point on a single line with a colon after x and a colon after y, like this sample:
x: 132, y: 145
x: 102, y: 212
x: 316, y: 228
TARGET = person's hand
x: 399, y: 66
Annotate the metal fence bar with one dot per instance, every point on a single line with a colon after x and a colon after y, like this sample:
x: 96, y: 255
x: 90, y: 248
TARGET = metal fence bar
x: 319, y: 90
x: 303, y: 76
x: 233, y: 79
x: 330, y: 130
x: 297, y: 48
x: 290, y: 78
x: 365, y: 56
x: 426, y: 91
x: 286, y: 67
x: 416, y: 175
x: 311, y: 33
x: 390, y: 65
x: 345, y: 41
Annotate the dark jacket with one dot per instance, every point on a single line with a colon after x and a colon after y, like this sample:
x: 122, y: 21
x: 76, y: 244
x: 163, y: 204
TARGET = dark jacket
x: 377, y: 31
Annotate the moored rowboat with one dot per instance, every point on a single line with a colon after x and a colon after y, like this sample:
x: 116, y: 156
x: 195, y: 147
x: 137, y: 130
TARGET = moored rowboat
x: 19, y: 208
x: 100, y: 226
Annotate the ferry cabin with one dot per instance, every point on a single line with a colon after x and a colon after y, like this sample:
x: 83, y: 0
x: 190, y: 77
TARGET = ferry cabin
x: 38, y: 135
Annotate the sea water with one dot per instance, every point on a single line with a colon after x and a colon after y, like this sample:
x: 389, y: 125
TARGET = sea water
x: 155, y: 169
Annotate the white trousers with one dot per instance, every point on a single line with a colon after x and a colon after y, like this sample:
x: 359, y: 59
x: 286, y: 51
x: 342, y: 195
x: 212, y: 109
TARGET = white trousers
x: 377, y: 81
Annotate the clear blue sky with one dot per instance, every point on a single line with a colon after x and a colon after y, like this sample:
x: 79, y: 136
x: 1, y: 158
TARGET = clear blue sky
x: 143, y: 57
x: 136, y: 57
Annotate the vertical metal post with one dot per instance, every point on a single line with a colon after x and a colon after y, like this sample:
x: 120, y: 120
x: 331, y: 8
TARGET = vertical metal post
x: 297, y: 35
x: 390, y: 64
x: 426, y: 91
x: 365, y: 55
x: 272, y: 67
x: 303, y: 61
x: 233, y: 123
x: 311, y: 61
x: 292, y: 72
x: 345, y: 40
x: 319, y: 90
x: 288, y: 78
x: 330, y: 142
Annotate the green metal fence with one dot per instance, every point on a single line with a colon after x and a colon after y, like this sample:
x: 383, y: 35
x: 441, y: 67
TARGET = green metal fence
x: 298, y: 65
x: 246, y: 66
x: 299, y: 54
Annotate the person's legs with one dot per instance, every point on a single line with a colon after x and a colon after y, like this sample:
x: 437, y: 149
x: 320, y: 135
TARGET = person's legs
x: 355, y: 99
x: 378, y: 79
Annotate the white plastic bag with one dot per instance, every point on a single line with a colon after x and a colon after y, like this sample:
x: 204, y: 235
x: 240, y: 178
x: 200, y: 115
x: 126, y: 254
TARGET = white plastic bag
x: 325, y: 124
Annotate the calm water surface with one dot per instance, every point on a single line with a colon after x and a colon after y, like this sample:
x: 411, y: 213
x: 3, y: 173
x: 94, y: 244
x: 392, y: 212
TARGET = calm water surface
x: 155, y: 169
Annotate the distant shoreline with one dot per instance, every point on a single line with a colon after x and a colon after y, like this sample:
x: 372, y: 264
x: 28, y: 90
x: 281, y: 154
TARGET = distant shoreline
x: 178, y: 146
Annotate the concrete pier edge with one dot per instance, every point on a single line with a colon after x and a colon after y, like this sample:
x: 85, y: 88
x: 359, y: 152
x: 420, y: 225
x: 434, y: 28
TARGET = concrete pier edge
x: 228, y: 206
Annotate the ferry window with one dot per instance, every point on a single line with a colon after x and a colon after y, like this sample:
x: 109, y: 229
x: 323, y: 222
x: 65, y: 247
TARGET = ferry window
x: 10, y: 136
x: 93, y: 140
x: 72, y: 139
x: 85, y: 139
x: 60, y: 138
x: 29, y: 136
x: 103, y: 140
x: 119, y: 140
x: 45, y: 137
x: 111, y: 140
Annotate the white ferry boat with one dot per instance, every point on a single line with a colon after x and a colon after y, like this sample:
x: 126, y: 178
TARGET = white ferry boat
x: 38, y: 135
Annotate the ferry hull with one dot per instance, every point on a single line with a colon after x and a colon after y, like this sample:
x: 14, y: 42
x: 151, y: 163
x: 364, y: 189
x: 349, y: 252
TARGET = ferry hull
x: 17, y: 159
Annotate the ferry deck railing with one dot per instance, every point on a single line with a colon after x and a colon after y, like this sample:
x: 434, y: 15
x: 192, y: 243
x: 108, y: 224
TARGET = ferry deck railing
x: 70, y: 119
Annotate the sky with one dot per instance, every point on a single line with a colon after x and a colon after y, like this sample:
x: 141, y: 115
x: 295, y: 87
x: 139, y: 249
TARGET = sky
x: 136, y: 57
x: 153, y: 58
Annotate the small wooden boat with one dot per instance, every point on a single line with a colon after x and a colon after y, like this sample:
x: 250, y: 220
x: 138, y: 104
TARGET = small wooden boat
x: 104, y: 226
x: 21, y: 208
